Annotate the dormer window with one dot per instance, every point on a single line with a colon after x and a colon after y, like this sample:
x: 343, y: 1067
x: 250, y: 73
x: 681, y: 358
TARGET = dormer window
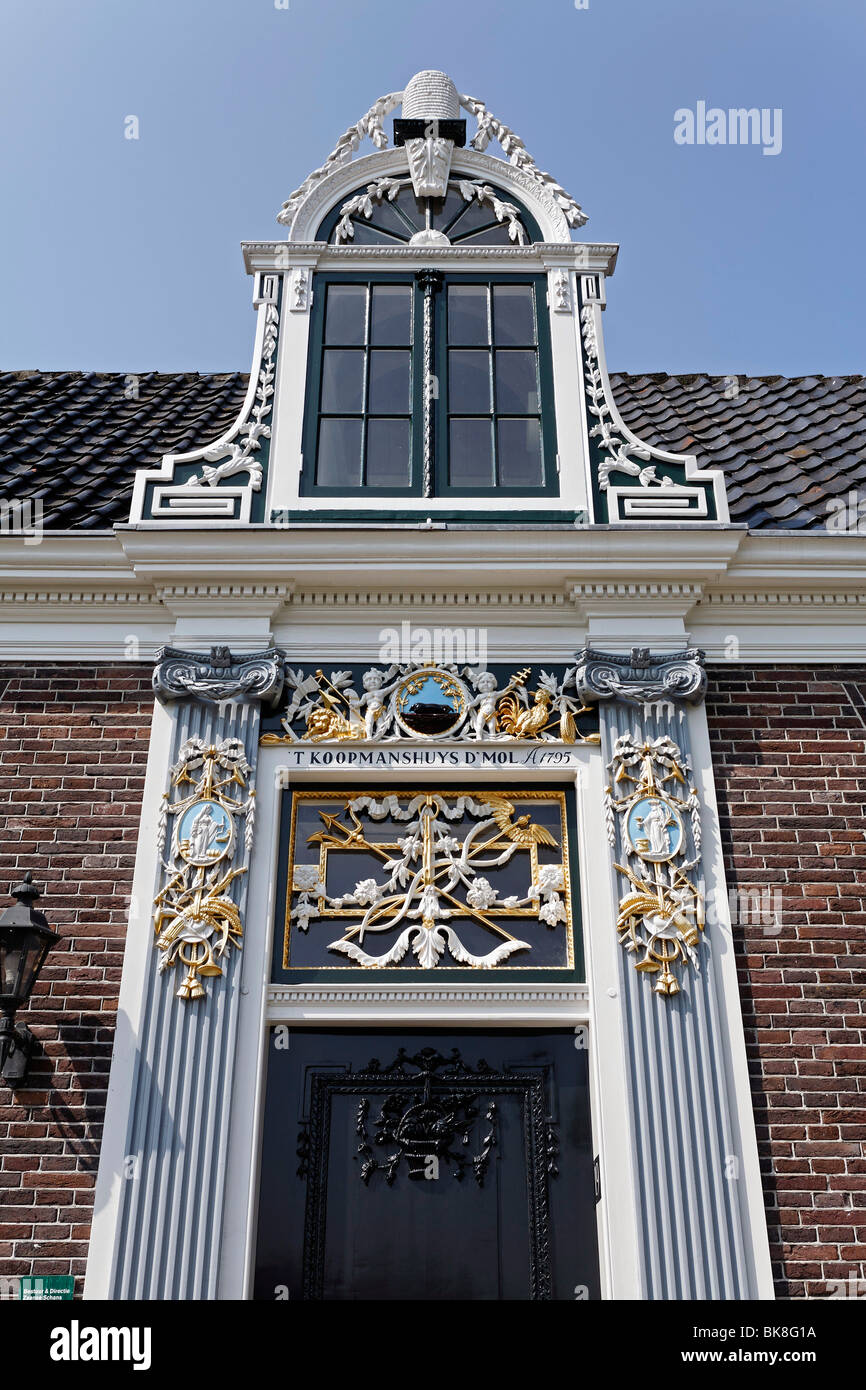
x: 429, y: 384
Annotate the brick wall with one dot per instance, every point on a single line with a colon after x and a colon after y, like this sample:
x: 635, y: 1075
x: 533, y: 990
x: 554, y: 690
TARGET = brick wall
x: 789, y: 750
x: 73, y: 746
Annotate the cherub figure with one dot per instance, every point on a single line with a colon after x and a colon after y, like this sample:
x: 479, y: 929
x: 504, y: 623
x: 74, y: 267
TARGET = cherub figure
x: 372, y: 702
x: 376, y: 687
x: 484, y: 705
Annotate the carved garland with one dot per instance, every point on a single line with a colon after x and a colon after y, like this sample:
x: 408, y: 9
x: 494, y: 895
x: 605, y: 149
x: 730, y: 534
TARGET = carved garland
x: 370, y: 126
x: 431, y: 876
x: 421, y: 700
x: 255, y: 429
x: 518, y: 155
x: 618, y: 451
x: 362, y: 205
x: 504, y: 212
x: 489, y: 127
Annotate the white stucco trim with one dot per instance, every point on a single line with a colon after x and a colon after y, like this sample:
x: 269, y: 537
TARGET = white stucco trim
x: 655, y: 501
x: 732, y: 1040
x: 115, y: 1165
x: 751, y: 597
x: 619, y: 1229
x: 246, y: 1111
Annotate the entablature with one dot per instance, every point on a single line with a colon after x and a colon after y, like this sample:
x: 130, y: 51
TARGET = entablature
x: 789, y: 596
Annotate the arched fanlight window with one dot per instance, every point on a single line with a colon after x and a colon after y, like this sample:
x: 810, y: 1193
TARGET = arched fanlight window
x: 387, y: 212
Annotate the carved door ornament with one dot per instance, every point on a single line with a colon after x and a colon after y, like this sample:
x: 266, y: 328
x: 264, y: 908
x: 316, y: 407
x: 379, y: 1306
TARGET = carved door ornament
x: 429, y: 1115
x: 429, y: 1129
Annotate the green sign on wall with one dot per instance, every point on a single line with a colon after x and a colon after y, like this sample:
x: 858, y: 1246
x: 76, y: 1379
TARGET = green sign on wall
x: 54, y: 1286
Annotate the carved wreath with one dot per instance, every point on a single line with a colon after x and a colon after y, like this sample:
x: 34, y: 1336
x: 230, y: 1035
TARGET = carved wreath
x: 363, y: 204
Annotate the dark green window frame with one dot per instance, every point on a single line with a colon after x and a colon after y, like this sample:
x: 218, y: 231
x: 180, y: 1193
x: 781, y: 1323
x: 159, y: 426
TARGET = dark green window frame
x: 315, y: 415
x: 499, y: 414
x: 441, y: 414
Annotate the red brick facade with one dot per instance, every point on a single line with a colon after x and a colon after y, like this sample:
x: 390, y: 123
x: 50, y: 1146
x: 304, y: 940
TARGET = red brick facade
x: 789, y: 751
x: 73, y: 747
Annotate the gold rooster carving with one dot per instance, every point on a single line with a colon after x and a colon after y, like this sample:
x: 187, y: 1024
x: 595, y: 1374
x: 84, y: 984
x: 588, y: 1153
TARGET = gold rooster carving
x: 521, y: 722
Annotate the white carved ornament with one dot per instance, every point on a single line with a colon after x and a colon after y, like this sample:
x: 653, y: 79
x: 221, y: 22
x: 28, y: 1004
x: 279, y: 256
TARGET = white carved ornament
x: 618, y: 452
x: 255, y: 427
x: 363, y: 204
x: 489, y: 127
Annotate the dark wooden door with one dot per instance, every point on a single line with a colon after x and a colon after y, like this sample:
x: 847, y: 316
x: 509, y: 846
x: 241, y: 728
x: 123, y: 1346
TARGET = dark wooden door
x: 426, y: 1165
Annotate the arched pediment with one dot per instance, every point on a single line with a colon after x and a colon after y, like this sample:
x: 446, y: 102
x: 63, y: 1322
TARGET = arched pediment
x: 517, y: 174
x: 387, y: 211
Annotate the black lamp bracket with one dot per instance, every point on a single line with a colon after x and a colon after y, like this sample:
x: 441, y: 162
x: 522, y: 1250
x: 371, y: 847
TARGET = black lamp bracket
x: 16, y: 1047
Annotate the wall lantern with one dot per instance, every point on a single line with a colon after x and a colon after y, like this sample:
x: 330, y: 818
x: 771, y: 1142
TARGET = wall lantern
x: 25, y: 940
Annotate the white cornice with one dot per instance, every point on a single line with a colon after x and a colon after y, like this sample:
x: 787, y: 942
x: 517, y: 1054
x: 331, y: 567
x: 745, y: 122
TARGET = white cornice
x: 279, y: 255
x: 205, y: 596
x: 789, y: 596
x: 505, y: 1001
x: 355, y: 558
x: 793, y: 561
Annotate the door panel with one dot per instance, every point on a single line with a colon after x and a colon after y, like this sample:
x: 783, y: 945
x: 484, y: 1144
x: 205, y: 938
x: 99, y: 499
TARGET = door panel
x: 426, y: 1165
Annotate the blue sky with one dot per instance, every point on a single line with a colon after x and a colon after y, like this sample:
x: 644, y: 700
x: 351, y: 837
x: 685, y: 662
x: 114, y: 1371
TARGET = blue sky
x: 123, y: 255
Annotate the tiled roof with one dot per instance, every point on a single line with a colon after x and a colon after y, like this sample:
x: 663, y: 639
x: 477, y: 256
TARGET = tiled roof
x: 75, y: 439
x: 787, y: 445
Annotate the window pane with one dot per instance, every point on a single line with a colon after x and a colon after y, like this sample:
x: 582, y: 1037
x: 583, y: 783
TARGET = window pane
x: 513, y: 317
x: 366, y: 234
x: 495, y: 235
x: 470, y: 461
x: 475, y: 216
x: 346, y: 313
x: 390, y: 321
x: 387, y: 453
x: 467, y: 315
x: 469, y: 383
x: 342, y: 382
x: 411, y: 207
x: 516, y: 383
x: 389, y: 383
x: 445, y: 210
x: 385, y: 216
x: 339, y: 462
x: 519, y: 448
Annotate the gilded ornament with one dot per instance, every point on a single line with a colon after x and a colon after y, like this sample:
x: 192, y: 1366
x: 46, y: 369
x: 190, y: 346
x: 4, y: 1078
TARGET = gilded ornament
x: 195, y: 921
x: 662, y: 915
x: 442, y: 863
x: 423, y: 700
x: 549, y: 709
